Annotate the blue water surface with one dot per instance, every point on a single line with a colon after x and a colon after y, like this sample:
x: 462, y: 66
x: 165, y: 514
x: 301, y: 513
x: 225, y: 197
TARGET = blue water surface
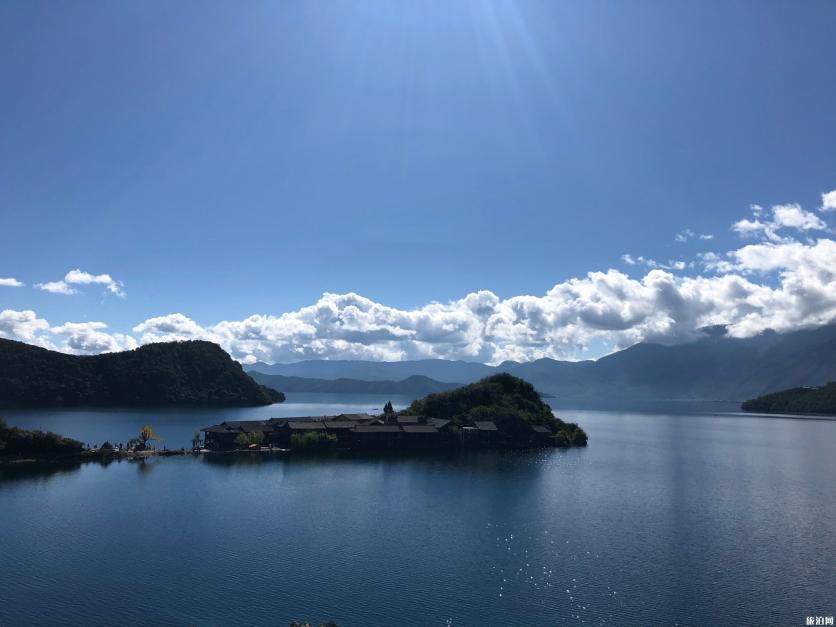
x: 688, y: 518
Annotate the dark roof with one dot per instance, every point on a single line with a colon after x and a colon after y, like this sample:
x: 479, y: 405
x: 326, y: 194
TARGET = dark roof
x: 240, y: 426
x: 485, y: 425
x: 540, y: 429
x: 438, y: 423
x: 253, y: 426
x: 305, y: 425
x: 408, y: 420
x: 372, y: 421
x: 339, y: 424
x: 352, y: 417
x: 419, y: 429
x: 377, y: 429
x: 217, y: 429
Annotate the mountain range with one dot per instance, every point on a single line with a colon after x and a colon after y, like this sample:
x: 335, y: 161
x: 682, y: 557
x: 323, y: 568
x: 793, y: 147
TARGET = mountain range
x: 715, y: 367
x: 414, y: 386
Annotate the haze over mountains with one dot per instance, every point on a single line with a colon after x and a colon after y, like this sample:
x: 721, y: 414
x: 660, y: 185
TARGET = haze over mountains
x: 714, y: 368
x: 414, y: 386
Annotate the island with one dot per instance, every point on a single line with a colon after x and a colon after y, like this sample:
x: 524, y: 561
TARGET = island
x: 501, y: 411
x: 803, y: 400
x: 161, y: 374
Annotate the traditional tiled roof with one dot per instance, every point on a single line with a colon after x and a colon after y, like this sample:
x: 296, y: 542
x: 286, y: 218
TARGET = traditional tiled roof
x: 305, y: 425
x: 355, y: 417
x: 438, y: 423
x: 377, y: 429
x: 419, y: 429
x: 339, y: 424
x: 540, y: 429
x: 409, y: 420
x: 239, y: 426
x: 485, y: 425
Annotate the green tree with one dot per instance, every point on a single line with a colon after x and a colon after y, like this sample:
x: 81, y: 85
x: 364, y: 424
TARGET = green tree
x: 196, y: 439
x: 145, y: 435
x: 244, y: 440
x: 388, y: 409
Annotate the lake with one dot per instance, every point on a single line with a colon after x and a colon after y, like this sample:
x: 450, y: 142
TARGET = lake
x: 697, y: 517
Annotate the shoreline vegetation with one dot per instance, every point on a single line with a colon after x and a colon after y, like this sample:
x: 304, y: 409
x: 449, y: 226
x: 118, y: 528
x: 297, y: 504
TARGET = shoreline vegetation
x: 814, y: 401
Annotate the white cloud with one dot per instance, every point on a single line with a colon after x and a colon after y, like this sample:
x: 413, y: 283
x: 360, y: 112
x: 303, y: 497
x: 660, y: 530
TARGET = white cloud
x: 89, y: 338
x: 79, y: 277
x: 775, y: 282
x: 24, y: 326
x: 10, y: 282
x: 56, y: 287
x: 789, y: 216
x: 684, y: 235
x: 687, y: 234
x: 828, y: 201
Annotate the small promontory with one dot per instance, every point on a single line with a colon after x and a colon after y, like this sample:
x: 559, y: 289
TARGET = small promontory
x: 807, y: 400
x: 511, y: 403
x: 166, y: 373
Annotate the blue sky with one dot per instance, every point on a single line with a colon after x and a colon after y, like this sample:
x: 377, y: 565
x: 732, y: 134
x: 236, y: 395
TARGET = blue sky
x: 221, y: 159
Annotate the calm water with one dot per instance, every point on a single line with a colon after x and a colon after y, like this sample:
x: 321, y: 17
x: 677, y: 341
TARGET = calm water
x: 689, y: 519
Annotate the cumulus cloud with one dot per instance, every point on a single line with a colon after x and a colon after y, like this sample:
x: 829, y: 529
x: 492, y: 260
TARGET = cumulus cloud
x: 79, y: 277
x: 774, y: 282
x: 24, y: 326
x: 56, y: 287
x: 89, y: 338
x: 783, y: 217
x: 828, y: 201
x: 10, y: 282
x: 630, y: 260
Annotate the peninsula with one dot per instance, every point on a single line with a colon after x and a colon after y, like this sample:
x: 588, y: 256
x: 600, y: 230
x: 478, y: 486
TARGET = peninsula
x: 501, y: 411
x: 166, y: 373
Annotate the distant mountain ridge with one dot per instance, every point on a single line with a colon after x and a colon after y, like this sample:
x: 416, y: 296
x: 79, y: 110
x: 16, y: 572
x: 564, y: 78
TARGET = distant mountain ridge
x: 414, y: 386
x: 438, y: 369
x: 716, y: 367
x: 167, y: 373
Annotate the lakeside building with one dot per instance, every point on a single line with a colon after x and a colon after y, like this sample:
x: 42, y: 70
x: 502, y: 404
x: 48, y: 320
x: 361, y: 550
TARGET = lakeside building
x: 365, y: 431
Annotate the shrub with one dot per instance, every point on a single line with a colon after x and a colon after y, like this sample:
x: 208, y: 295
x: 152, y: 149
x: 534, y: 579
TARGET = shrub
x: 244, y: 440
x: 313, y: 440
x: 16, y: 442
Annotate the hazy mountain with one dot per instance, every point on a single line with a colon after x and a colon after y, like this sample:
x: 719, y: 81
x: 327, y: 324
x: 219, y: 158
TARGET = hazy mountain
x: 716, y: 367
x: 415, y: 386
x: 438, y: 369
x: 169, y: 373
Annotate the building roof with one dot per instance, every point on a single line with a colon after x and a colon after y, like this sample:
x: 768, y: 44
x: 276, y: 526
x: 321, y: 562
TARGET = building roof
x: 419, y: 429
x: 540, y: 429
x: 377, y: 429
x: 239, y: 426
x: 339, y: 424
x: 355, y: 417
x: 372, y: 421
x: 485, y: 425
x: 217, y: 429
x: 438, y: 423
x: 409, y: 420
x: 305, y: 425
